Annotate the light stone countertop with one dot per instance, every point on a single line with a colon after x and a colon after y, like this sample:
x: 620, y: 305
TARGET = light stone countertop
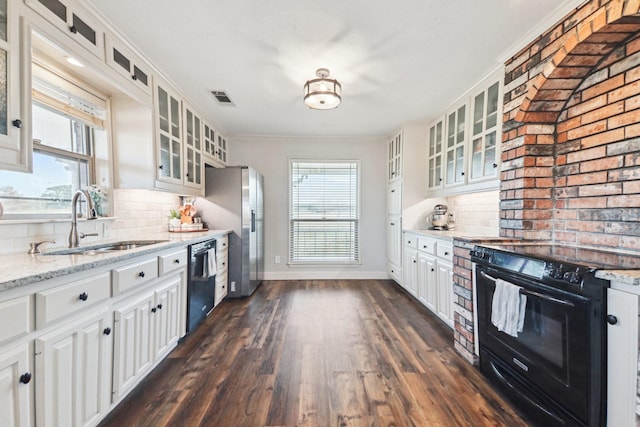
x: 23, y: 269
x: 627, y: 277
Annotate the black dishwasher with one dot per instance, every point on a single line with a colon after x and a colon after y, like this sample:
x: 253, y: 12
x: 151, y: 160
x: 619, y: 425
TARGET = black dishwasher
x: 201, y: 283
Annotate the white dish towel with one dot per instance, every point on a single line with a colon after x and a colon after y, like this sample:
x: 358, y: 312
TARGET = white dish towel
x: 211, y: 264
x: 508, y: 308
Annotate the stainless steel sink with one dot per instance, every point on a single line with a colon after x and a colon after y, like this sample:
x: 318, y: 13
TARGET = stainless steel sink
x: 105, y: 248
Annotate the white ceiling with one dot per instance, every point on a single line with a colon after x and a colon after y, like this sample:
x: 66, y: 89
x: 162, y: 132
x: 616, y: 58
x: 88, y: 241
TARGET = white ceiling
x: 398, y: 61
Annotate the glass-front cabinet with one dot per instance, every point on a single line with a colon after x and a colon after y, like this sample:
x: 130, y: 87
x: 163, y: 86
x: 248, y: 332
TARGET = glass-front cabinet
x: 14, y: 123
x: 192, y: 148
x: 168, y: 135
x: 394, y: 157
x: 486, y: 130
x: 434, y: 155
x: 221, y: 152
x: 455, y: 150
x: 463, y: 148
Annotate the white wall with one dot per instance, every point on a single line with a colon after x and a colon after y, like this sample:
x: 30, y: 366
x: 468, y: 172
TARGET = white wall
x: 270, y: 156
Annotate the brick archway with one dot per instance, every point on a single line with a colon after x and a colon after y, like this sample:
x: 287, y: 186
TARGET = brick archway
x: 580, y: 49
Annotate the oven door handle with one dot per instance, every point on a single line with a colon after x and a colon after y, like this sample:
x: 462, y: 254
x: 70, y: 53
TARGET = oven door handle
x: 534, y: 293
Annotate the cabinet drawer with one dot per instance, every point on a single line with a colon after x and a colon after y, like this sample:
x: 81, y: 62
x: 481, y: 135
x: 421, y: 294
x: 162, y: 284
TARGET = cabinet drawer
x: 410, y: 240
x: 427, y: 246
x: 445, y: 251
x: 222, y: 243
x: 222, y: 260
x: 172, y: 261
x: 63, y: 300
x: 133, y: 275
x: 15, y: 315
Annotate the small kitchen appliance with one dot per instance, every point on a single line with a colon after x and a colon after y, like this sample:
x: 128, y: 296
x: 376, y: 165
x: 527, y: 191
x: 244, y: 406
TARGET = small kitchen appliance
x: 440, y: 218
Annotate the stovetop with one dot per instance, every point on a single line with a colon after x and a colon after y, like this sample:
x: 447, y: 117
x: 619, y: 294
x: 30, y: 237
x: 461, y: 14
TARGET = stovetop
x: 558, y: 265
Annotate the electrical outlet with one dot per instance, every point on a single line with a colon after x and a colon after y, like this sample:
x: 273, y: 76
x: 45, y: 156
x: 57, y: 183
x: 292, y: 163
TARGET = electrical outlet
x: 233, y: 286
x: 277, y: 260
x: 106, y: 229
x: 452, y: 216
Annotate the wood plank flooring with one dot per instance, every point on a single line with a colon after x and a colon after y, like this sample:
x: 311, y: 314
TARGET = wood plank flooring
x: 316, y: 353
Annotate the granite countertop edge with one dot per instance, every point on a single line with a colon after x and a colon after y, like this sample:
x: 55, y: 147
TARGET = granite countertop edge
x: 23, y: 269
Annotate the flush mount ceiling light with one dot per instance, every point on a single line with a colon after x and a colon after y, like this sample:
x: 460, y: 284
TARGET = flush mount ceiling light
x: 322, y: 93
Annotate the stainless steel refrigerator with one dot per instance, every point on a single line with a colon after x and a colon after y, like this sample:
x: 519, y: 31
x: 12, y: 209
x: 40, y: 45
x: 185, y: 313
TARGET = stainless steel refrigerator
x: 233, y: 200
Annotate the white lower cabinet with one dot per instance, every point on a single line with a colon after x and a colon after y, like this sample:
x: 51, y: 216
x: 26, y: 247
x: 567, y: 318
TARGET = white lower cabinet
x: 16, y: 387
x: 426, y: 280
x: 73, y: 365
x: 146, y: 328
x: 428, y: 273
x: 445, y: 291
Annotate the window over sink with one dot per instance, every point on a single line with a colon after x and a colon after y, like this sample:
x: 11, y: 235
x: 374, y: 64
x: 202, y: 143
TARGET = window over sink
x: 68, y: 120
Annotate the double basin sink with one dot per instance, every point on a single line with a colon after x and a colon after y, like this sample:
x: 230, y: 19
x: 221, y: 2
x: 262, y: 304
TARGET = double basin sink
x: 105, y: 247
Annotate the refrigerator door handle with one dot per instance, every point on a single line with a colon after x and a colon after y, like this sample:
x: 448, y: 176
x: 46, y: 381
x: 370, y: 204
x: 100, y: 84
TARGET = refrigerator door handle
x: 253, y: 221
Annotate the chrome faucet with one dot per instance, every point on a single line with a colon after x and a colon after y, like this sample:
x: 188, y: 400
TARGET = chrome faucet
x: 74, y: 239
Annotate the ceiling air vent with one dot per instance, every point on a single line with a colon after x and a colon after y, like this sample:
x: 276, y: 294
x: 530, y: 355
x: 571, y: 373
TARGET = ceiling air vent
x: 221, y: 97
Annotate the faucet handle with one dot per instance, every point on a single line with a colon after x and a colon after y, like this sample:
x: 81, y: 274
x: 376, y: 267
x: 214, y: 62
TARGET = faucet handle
x: 83, y: 235
x: 34, y: 247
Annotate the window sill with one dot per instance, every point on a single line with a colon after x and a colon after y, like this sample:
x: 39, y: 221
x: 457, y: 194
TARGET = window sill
x: 9, y: 221
x: 325, y: 264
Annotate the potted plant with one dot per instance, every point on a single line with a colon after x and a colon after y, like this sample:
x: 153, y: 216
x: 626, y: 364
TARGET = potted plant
x: 174, y: 219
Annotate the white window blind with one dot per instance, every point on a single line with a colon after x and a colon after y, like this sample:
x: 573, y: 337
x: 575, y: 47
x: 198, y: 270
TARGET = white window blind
x: 324, y: 212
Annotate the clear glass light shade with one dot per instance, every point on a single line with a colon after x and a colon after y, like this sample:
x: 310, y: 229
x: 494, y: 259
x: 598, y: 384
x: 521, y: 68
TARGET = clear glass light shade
x: 322, y: 93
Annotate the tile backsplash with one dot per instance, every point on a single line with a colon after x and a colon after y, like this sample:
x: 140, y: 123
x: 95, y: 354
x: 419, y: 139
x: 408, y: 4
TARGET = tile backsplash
x: 136, y: 213
x: 478, y: 212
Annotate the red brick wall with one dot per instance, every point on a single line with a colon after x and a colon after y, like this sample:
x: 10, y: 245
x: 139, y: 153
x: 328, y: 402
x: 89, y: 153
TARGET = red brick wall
x: 571, y: 141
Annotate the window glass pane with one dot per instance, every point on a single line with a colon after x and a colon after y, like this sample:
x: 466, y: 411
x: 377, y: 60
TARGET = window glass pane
x: 48, y: 190
x: 324, y: 212
x: 3, y: 93
x: 3, y: 20
x: 58, y: 131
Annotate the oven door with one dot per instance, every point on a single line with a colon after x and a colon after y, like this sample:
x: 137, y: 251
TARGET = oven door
x: 551, y: 353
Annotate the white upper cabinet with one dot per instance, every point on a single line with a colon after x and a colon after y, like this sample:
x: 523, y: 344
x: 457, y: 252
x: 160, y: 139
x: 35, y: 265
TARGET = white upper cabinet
x: 192, y: 147
x: 463, y: 148
x: 75, y: 21
x: 15, y: 133
x: 124, y: 61
x: 486, y: 131
x: 394, y: 157
x: 168, y: 119
x: 434, y: 155
x: 455, y: 146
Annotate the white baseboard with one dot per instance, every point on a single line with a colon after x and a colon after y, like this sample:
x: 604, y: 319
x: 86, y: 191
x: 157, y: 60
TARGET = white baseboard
x: 326, y: 275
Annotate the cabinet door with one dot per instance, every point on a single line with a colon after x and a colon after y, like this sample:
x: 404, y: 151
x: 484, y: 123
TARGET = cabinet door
x: 74, y: 21
x: 394, y: 240
x: 427, y: 281
x: 168, y: 134
x: 455, y: 146
x: 394, y: 198
x: 394, y: 157
x: 486, y: 131
x: 221, y: 151
x: 622, y: 355
x: 167, y: 316
x: 410, y: 271
x: 192, y: 148
x: 14, y: 124
x: 434, y: 155
x: 128, y: 64
x: 209, y: 148
x: 73, y: 366
x: 445, y: 291
x: 133, y: 342
x: 16, y: 387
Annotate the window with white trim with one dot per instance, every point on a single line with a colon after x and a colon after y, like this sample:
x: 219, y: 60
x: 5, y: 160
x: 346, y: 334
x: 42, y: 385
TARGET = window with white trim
x: 324, y: 212
x: 67, y: 119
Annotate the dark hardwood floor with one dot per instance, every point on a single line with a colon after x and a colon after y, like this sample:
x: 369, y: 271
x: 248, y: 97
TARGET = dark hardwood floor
x: 317, y: 353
